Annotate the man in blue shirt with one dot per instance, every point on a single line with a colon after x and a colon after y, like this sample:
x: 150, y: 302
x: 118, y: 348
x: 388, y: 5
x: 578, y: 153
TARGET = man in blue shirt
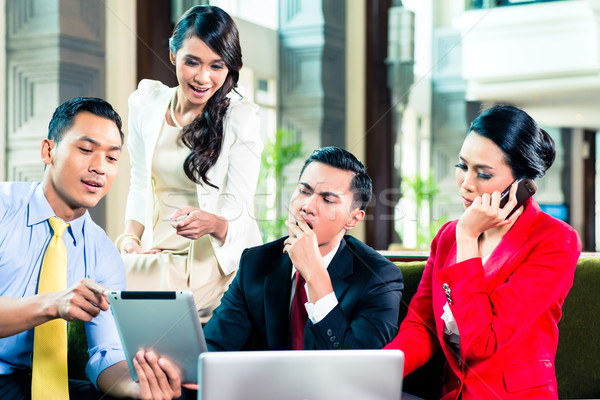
x: 81, y: 155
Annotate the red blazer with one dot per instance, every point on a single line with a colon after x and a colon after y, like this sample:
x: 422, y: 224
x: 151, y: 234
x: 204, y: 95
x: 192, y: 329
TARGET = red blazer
x: 506, y: 313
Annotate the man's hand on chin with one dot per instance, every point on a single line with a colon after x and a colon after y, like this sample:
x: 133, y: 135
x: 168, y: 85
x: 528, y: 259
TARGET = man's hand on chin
x: 303, y: 248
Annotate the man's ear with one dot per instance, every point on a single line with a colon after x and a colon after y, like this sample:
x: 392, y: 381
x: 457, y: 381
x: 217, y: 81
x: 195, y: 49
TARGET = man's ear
x: 47, y: 153
x: 355, y: 217
x: 172, y: 58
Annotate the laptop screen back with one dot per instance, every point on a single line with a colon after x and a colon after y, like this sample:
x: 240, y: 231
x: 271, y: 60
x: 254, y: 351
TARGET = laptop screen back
x: 302, y: 375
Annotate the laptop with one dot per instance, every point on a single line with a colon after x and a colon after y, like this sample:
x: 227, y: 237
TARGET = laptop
x: 166, y: 322
x: 301, y: 375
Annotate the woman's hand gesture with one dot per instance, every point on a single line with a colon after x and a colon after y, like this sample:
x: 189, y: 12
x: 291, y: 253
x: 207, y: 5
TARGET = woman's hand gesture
x: 193, y: 223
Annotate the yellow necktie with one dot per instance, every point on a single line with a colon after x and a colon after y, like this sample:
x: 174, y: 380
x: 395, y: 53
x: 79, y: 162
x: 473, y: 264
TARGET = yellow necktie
x: 49, y: 377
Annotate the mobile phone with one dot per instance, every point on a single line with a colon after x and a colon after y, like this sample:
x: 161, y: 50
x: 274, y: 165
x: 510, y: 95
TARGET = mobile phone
x: 525, y: 189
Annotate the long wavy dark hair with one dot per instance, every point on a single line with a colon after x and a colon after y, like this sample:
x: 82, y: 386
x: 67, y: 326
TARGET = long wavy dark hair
x: 204, y: 135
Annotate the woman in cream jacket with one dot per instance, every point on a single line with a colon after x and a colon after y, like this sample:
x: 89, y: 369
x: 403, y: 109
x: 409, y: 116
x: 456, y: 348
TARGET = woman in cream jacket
x: 195, y: 158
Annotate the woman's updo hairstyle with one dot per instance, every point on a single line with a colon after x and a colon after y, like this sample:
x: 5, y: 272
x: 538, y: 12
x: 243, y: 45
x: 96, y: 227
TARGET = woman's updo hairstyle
x: 204, y: 135
x: 528, y: 149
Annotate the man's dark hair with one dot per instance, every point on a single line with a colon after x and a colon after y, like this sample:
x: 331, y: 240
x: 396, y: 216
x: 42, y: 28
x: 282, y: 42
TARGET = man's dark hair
x: 64, y: 115
x: 361, y: 185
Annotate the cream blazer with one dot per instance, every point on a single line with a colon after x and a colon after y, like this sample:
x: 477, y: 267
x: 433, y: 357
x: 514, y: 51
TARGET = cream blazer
x: 235, y: 172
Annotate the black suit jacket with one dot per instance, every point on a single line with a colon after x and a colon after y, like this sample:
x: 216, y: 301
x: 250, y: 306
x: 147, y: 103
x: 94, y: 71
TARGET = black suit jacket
x: 254, y: 312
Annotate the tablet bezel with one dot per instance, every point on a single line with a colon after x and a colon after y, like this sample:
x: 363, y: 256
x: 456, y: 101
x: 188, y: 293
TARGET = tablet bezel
x: 166, y: 322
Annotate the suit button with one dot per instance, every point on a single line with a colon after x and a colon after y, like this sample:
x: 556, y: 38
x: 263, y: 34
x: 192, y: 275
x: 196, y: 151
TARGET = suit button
x: 329, y: 332
x: 336, y: 345
x: 332, y: 339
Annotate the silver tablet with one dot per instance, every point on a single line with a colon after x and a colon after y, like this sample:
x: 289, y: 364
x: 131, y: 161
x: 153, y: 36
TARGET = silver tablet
x: 166, y: 322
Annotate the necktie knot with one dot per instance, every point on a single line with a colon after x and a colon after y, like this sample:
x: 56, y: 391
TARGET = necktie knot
x: 58, y: 226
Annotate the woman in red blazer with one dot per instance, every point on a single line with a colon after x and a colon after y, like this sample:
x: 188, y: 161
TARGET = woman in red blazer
x: 492, y: 290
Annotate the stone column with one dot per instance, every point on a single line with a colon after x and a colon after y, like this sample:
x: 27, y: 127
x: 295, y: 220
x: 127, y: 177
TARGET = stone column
x: 312, y: 83
x: 449, y: 120
x: 54, y: 51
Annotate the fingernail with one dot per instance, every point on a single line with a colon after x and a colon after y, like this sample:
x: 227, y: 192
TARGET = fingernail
x: 161, y: 362
x: 149, y: 356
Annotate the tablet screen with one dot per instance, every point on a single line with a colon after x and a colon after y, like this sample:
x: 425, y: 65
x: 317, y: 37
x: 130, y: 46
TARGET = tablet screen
x: 166, y: 322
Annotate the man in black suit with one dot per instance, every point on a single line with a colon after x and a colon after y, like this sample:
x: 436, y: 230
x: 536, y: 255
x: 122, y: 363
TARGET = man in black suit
x: 352, y: 293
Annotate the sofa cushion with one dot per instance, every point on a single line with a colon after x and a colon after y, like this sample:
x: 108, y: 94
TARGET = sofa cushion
x: 77, y: 356
x: 578, y: 354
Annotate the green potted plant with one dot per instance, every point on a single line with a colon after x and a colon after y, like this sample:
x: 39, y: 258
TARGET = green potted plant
x: 277, y: 155
x: 422, y: 192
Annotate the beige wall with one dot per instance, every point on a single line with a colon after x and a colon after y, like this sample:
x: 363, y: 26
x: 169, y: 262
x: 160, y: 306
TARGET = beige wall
x: 355, y: 88
x: 120, y: 82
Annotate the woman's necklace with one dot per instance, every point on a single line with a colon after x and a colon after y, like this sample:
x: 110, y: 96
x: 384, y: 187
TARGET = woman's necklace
x: 171, y: 108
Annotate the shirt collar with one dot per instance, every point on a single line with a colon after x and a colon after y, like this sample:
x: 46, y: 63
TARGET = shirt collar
x: 327, y: 258
x: 39, y: 210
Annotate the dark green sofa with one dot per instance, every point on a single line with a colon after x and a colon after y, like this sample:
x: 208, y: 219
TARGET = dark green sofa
x: 578, y: 355
x: 577, y: 360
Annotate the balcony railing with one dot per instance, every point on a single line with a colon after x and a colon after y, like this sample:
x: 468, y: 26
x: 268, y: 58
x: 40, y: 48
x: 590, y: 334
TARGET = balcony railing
x: 479, y: 4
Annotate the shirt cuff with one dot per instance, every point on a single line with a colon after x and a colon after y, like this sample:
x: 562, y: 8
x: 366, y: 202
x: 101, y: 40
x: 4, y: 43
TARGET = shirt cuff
x: 102, y: 358
x: 319, y: 310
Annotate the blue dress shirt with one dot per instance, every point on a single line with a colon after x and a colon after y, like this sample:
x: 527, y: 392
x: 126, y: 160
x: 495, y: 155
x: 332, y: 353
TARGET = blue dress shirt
x: 24, y: 236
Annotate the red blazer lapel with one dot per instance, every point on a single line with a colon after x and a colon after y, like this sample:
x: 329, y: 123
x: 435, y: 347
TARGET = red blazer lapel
x: 497, y: 267
x: 439, y: 300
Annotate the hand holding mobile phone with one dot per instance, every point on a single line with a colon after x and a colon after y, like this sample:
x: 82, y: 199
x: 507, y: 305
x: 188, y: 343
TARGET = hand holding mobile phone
x: 525, y: 189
